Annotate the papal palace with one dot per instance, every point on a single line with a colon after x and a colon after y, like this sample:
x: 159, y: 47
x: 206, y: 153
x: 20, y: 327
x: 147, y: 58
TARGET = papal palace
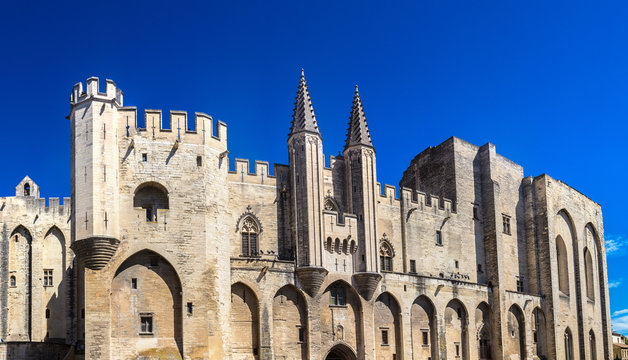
x: 165, y: 251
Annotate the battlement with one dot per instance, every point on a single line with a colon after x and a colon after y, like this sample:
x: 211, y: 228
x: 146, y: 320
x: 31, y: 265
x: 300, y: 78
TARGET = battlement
x: 112, y: 93
x: 177, y: 126
x: 37, y: 205
x: 424, y: 201
x: 261, y: 173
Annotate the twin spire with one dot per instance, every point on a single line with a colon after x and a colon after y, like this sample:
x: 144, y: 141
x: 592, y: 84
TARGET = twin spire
x: 303, y: 118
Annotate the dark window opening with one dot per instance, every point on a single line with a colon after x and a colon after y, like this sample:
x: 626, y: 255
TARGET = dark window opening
x: 520, y: 285
x: 48, y: 277
x: 439, y: 238
x: 337, y: 297
x: 144, y: 157
x: 457, y: 350
x: 457, y: 264
x: 27, y: 189
x: 199, y: 161
x: 413, y: 266
x: 301, y: 335
x: 384, y: 337
x: 151, y: 197
x: 134, y: 283
x: 385, y: 257
x: 146, y: 322
x: 506, y: 224
x: 425, y: 337
x: 47, y: 313
x: 190, y: 307
x: 475, y: 213
x: 12, y: 281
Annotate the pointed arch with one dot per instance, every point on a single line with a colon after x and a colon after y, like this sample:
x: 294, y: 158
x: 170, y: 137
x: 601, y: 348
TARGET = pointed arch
x: 588, y: 273
x: 146, y: 293
x: 244, y: 321
x: 54, y: 273
x: 539, y: 333
x: 328, y: 245
x: 568, y: 345
x: 515, y: 339
x: 483, y: 328
x: 387, y: 326
x: 331, y: 204
x: 424, y: 328
x: 290, y: 330
x: 152, y: 197
x: 337, y: 246
x: 341, y: 352
x: 250, y: 229
x: 599, y: 264
x: 341, y: 306
x: 20, y: 296
x: 563, y: 265
x: 386, y: 254
x: 456, y: 333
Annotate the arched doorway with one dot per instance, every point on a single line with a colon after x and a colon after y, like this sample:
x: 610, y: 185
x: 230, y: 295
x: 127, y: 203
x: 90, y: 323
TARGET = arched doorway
x: 290, y: 333
x: 20, y: 285
x: 146, y: 300
x: 515, y: 339
x: 424, y: 334
x: 340, y: 352
x: 456, y: 330
x: 387, y: 323
x: 483, y: 328
x: 244, y: 322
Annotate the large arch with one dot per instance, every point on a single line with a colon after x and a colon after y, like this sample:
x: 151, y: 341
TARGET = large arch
x: 152, y: 197
x: 598, y: 264
x: 290, y: 334
x: 340, y: 352
x: 515, y: 343
x: 483, y: 328
x: 456, y: 334
x: 423, y: 328
x: 20, y: 296
x: 387, y: 315
x: 539, y: 333
x: 341, y: 316
x: 146, y: 300
x: 55, y: 290
x: 244, y: 322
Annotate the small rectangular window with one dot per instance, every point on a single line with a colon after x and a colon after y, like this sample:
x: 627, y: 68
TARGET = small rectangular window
x: 520, y: 284
x: 413, y: 266
x: 337, y: 297
x: 144, y: 157
x: 439, y: 238
x: 146, y: 323
x: 149, y: 214
x: 506, y: 224
x: 457, y: 264
x: 301, y: 335
x: 47, y: 313
x: 425, y: 338
x: 190, y: 308
x: 457, y: 350
x: 48, y: 277
x: 384, y: 337
x: 133, y: 283
x: 199, y: 161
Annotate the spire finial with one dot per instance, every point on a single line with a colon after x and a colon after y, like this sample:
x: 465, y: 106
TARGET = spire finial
x: 303, y: 118
x: 358, y: 132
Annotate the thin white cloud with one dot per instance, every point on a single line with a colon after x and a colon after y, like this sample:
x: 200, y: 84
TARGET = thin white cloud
x: 614, y: 284
x: 615, y: 244
x: 620, y: 312
x: 620, y: 324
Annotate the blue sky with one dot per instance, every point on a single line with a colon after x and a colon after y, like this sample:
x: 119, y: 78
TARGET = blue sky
x: 546, y: 83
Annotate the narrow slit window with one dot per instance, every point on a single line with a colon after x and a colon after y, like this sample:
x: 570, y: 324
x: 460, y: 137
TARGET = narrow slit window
x: 439, y: 238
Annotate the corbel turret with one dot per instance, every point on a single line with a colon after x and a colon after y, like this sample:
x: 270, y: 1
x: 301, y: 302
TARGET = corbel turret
x: 361, y: 193
x: 305, y: 146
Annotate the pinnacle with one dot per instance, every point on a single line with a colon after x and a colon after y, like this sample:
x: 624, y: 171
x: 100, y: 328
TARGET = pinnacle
x: 303, y: 118
x: 358, y: 131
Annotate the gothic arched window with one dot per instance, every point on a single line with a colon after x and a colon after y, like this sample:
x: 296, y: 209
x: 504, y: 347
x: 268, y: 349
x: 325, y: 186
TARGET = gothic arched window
x: 385, y: 257
x: 12, y: 281
x: 249, y: 231
x: 568, y: 345
x: 27, y: 189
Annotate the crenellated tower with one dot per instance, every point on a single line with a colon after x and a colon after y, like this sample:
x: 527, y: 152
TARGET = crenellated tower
x: 305, y: 146
x: 361, y: 182
x: 94, y: 163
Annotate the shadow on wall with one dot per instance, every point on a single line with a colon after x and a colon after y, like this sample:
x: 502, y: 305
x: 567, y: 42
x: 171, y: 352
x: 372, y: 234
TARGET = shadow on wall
x: 28, y: 350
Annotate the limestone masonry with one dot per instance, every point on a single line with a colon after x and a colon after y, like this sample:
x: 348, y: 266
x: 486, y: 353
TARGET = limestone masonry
x: 163, y: 252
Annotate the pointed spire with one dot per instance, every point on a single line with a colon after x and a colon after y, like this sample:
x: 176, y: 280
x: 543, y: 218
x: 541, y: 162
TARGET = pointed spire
x: 358, y: 132
x: 303, y: 118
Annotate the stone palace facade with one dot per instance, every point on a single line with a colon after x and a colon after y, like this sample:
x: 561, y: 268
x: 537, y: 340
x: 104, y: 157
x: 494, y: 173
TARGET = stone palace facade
x: 164, y: 252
